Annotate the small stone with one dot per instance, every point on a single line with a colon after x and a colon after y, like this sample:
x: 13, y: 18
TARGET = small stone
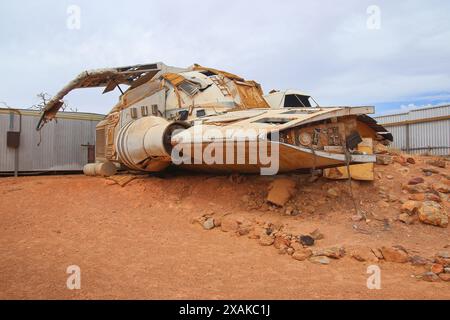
x: 280, y: 191
x: 333, y: 252
x: 440, y: 163
x: 290, y: 251
x: 417, y: 188
x: 419, y: 261
x: 229, y: 224
x: 317, y: 235
x: 357, y: 217
x: 447, y: 270
x: 443, y: 254
x: 320, y: 260
x: 410, y: 207
x: 383, y: 204
x: 307, y: 240
x: 302, y: 254
x: 394, y: 254
x: 406, y: 218
x: 389, y: 177
x: 429, y: 276
x: 417, y: 180
x: 433, y: 214
x: 430, y: 170
x: 391, y: 198
x: 209, y: 224
x: 433, y: 197
x: 417, y: 197
x: 266, y: 240
x: 437, y: 268
x: 441, y: 187
x: 445, y: 277
x: 380, y: 148
x: 333, y: 193
x: 411, y: 160
x: 280, y: 242
x: 383, y: 159
x: 362, y: 254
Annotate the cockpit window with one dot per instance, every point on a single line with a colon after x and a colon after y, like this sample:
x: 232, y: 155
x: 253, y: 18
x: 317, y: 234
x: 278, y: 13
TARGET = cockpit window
x: 208, y: 73
x: 296, y: 101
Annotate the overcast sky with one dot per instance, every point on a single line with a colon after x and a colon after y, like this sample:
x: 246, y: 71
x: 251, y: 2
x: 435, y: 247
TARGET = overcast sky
x: 322, y: 47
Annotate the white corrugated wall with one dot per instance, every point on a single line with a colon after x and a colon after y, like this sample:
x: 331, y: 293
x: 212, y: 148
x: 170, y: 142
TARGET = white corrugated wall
x: 429, y: 131
x: 60, y: 148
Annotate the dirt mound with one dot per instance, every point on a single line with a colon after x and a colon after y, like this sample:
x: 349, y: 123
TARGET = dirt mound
x: 184, y: 235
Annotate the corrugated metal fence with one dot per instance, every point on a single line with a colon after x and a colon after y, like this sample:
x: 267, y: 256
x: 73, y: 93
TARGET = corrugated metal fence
x: 420, y: 131
x: 62, y: 143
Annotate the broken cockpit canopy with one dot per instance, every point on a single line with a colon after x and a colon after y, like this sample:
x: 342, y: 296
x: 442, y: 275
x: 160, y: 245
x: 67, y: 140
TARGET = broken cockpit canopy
x: 109, y: 78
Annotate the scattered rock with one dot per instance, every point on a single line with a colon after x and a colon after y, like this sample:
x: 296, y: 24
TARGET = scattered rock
x: 380, y: 148
x: 333, y: 252
x: 429, y: 276
x: 445, y: 277
x: 440, y: 163
x: 437, y: 268
x: 417, y: 188
x: 401, y: 160
x: 417, y: 180
x: 383, y: 159
x: 280, y: 191
x: 357, y: 217
x: 292, y: 211
x: 229, y: 224
x: 410, y: 207
x: 417, y: 197
x: 441, y: 187
x: 316, y: 235
x: 209, y: 224
x: 432, y: 213
x: 419, y: 261
x: 430, y: 170
x: 280, y: 242
x: 383, y: 204
x: 266, y: 240
x: 302, y: 254
x: 307, y: 240
x: 362, y: 254
x: 406, y: 218
x: 394, y: 254
x: 333, y: 193
x: 319, y: 260
x: 447, y: 270
x: 443, y: 254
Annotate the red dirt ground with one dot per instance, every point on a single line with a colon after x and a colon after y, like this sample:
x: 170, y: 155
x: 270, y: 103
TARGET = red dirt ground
x: 138, y: 242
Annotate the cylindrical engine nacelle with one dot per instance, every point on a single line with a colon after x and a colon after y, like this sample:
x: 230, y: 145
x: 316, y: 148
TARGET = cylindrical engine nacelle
x: 145, y: 144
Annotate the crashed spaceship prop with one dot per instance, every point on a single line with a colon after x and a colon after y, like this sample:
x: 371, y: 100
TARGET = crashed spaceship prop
x: 206, y: 119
